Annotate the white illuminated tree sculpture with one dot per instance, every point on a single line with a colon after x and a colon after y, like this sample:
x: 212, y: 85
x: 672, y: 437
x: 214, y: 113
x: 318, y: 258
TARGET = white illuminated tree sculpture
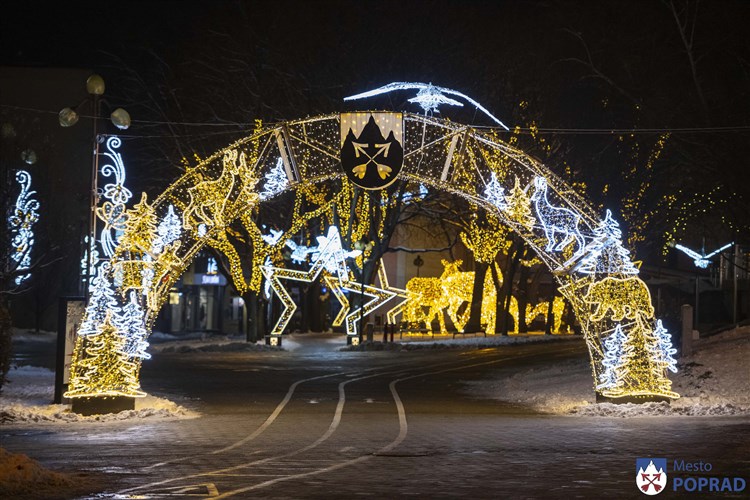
x: 275, y: 181
x: 131, y: 324
x: 169, y: 230
x: 101, y: 302
x: 664, y: 343
x: 612, y: 359
x: 606, y: 255
x: 495, y: 193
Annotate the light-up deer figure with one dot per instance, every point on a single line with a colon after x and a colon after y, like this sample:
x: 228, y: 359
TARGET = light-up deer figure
x: 556, y: 220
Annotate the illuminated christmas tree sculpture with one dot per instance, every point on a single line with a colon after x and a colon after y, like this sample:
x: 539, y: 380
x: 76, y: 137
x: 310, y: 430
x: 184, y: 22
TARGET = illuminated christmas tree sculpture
x: 519, y: 206
x: 101, y: 302
x: 275, y: 181
x: 606, y: 255
x: 131, y: 324
x: 101, y: 367
x: 640, y: 371
x: 493, y: 193
x: 140, y: 228
x: 169, y: 230
x: 613, y: 348
x: 664, y: 343
x: 133, y: 267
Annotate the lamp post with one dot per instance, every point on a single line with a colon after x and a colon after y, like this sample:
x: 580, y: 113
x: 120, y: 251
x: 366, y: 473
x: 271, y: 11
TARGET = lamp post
x: 120, y: 119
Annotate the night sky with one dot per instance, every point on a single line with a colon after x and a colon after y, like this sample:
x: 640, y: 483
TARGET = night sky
x: 195, y: 75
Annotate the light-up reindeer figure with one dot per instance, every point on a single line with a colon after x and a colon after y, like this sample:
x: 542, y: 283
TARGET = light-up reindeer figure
x: 556, y: 220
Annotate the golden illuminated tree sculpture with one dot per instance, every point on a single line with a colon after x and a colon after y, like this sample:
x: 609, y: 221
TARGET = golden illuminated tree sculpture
x: 102, y: 367
x: 133, y: 261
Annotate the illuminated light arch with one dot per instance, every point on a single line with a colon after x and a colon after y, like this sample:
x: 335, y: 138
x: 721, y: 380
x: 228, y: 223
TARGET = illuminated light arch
x: 556, y: 222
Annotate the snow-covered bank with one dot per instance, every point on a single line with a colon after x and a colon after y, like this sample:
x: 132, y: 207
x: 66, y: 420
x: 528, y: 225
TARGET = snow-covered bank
x: 22, y: 477
x: 27, y: 394
x: 715, y: 380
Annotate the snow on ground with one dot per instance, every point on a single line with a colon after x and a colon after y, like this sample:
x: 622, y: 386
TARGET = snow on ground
x: 22, y: 477
x: 715, y: 380
x: 27, y: 393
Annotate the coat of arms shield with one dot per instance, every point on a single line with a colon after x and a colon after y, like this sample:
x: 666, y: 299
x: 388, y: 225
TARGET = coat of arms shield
x: 372, y: 148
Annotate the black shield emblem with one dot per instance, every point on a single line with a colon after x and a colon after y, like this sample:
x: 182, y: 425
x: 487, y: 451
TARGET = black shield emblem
x: 372, y: 148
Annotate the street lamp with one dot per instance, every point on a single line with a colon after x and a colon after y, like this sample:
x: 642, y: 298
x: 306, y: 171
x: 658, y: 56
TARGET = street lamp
x: 120, y: 119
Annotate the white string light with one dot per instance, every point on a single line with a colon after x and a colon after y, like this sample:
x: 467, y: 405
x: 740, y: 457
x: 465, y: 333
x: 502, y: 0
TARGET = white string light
x: 275, y: 181
x: 429, y: 97
x: 112, y: 211
x: 20, y: 223
x: 701, y: 260
x: 605, y: 254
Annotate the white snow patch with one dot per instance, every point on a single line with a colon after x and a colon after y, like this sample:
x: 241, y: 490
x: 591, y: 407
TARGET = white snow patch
x: 28, y: 391
x: 22, y: 477
x: 715, y: 380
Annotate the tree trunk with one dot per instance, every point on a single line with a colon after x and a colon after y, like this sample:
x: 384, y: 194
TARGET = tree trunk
x: 253, y: 319
x: 475, y: 317
x: 522, y: 296
x: 507, y: 291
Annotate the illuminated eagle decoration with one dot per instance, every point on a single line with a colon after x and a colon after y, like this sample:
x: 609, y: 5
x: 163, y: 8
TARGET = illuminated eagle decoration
x: 701, y: 259
x: 429, y: 97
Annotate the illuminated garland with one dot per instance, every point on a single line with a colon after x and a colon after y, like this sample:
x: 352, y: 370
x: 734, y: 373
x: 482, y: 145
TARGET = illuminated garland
x: 20, y: 223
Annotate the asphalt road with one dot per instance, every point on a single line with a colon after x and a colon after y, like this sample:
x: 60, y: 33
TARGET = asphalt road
x: 317, y: 423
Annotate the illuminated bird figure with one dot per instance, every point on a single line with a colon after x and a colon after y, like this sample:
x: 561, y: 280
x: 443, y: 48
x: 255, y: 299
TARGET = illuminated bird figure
x: 429, y: 97
x: 701, y: 259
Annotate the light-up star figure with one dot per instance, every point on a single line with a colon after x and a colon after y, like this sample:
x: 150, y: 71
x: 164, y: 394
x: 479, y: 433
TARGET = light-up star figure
x: 429, y: 97
x: 701, y: 259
